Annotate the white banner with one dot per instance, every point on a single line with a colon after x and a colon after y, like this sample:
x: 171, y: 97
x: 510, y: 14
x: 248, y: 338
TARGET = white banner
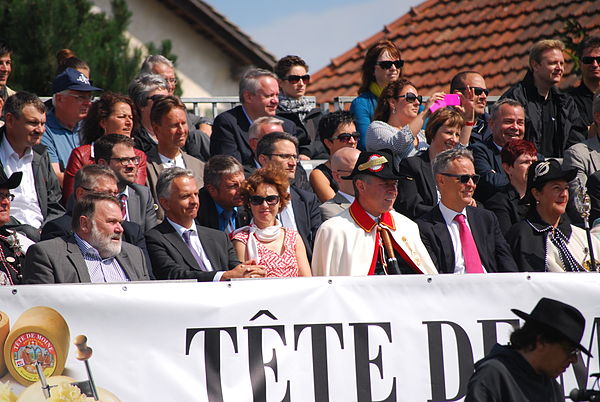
x: 397, y: 338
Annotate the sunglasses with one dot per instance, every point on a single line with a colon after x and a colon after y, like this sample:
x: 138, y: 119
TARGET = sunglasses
x: 258, y: 200
x: 410, y: 97
x: 7, y: 196
x: 294, y: 79
x: 476, y: 90
x: 464, y: 178
x: 345, y: 137
x: 386, y: 65
x: 590, y: 59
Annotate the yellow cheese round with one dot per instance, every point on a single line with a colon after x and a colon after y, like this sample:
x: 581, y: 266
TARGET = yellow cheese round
x: 40, y: 334
x: 4, y: 329
x: 34, y: 392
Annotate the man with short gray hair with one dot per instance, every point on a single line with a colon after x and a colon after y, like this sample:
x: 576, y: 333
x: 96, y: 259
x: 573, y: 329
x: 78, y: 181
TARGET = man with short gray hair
x: 259, y: 96
x: 474, y: 233
x: 180, y: 249
x: 94, y: 251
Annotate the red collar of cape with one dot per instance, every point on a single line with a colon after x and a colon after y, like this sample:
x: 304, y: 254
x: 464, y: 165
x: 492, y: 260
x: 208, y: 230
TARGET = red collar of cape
x: 362, y: 218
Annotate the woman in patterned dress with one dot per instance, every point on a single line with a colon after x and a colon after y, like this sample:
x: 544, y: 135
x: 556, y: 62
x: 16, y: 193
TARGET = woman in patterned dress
x: 279, y: 249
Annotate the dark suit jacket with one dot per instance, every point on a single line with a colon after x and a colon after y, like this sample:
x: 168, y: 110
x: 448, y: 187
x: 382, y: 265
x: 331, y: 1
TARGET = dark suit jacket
x: 492, y: 247
x: 230, y: 136
x: 593, y: 187
x: 172, y: 259
x: 47, y: 187
x: 307, y: 216
x: 59, y: 260
x: 208, y: 215
x: 132, y: 234
x: 505, y: 205
x: 489, y: 165
x: 417, y: 192
x: 155, y: 168
x: 300, y: 178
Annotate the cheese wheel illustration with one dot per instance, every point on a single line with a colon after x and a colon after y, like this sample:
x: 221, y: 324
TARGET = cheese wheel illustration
x: 40, y: 334
x: 34, y: 392
x: 4, y: 329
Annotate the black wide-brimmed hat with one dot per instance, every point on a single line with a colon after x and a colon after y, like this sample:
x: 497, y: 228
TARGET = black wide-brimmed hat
x: 12, y: 182
x: 541, y: 172
x: 379, y: 164
x: 561, y: 317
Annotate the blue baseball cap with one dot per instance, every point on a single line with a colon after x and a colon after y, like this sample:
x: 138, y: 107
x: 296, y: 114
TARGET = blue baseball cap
x: 72, y: 79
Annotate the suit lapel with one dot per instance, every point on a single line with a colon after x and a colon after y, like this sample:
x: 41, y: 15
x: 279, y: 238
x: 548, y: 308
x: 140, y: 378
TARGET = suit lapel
x: 244, y: 125
x: 37, y: 179
x: 595, y: 154
x: 441, y: 230
x: 210, y: 249
x: 134, y: 205
x: 126, y: 265
x: 176, y: 241
x: 76, y: 259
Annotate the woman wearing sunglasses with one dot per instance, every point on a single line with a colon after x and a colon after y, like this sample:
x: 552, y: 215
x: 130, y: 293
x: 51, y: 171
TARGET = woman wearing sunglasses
x: 293, y: 80
x: 397, y: 121
x: 545, y: 240
x: 111, y: 114
x: 265, y: 241
x: 336, y: 130
x: 382, y: 65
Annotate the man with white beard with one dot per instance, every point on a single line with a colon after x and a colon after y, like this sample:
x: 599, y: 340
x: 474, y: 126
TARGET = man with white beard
x: 93, y: 253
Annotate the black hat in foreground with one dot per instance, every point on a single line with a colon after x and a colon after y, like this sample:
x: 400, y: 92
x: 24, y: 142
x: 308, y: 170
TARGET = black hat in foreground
x: 12, y: 182
x: 379, y: 164
x: 541, y: 172
x: 561, y: 317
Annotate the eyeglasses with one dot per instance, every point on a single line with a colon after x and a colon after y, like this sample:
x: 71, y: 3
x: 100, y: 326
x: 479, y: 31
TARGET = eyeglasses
x: 156, y: 97
x: 464, y: 178
x: 127, y: 161
x: 590, y: 59
x: 294, y: 79
x: 287, y: 157
x: 476, y: 90
x: 346, y: 137
x: 81, y: 98
x: 171, y: 80
x: 258, y: 200
x: 387, y: 64
x: 410, y: 97
x: 570, y: 349
x: 7, y: 196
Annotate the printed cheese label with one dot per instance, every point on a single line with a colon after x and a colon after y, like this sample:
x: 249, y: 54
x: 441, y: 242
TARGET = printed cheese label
x: 29, y: 348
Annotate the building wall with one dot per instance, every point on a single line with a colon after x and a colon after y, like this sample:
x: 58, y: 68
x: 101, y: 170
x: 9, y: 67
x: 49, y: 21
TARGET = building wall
x: 203, y: 69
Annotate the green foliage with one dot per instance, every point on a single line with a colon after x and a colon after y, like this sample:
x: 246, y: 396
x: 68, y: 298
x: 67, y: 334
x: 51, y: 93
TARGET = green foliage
x: 572, y: 34
x: 165, y: 49
x: 37, y: 29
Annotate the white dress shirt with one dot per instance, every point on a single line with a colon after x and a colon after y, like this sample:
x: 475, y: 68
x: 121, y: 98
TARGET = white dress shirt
x: 169, y: 163
x: 195, y: 241
x: 25, y: 207
x: 286, y: 215
x: 453, y: 228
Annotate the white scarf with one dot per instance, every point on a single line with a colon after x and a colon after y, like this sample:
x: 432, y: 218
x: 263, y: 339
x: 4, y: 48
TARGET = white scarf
x: 267, y: 234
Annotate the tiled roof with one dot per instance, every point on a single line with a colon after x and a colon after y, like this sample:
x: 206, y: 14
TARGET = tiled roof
x: 439, y: 38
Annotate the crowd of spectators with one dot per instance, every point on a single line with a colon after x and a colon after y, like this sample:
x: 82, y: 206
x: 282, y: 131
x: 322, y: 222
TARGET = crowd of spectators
x: 105, y: 187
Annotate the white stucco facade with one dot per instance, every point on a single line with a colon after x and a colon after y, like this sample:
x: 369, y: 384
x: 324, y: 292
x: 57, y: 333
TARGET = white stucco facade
x: 202, y: 68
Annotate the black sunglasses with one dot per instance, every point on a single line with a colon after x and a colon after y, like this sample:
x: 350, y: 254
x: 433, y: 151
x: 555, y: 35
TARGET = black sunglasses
x: 464, y: 178
x: 387, y: 64
x: 476, y: 90
x: 410, y: 97
x: 590, y: 59
x: 294, y: 79
x: 345, y: 137
x: 258, y: 200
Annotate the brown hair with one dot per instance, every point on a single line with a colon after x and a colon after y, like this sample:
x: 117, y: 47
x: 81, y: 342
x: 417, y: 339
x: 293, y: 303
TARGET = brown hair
x: 100, y: 110
x: 273, y: 176
x: 163, y: 106
x: 368, y: 67
x: 392, y: 90
x: 446, y: 115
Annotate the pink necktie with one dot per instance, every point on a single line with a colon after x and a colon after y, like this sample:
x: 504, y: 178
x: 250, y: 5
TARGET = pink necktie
x: 469, y: 248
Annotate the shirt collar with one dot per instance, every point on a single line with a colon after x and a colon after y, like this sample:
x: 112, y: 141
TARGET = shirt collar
x: 8, y: 151
x: 450, y: 214
x: 180, y: 229
x: 367, y: 221
x: 86, y: 248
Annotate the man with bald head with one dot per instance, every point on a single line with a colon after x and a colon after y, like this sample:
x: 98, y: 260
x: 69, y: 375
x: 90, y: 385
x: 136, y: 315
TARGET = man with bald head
x: 342, y: 163
x: 259, y: 96
x: 472, y: 79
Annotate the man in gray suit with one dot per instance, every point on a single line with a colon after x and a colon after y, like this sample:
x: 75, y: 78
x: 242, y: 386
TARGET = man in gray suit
x: 342, y: 163
x: 116, y: 151
x: 93, y: 253
x: 170, y: 127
